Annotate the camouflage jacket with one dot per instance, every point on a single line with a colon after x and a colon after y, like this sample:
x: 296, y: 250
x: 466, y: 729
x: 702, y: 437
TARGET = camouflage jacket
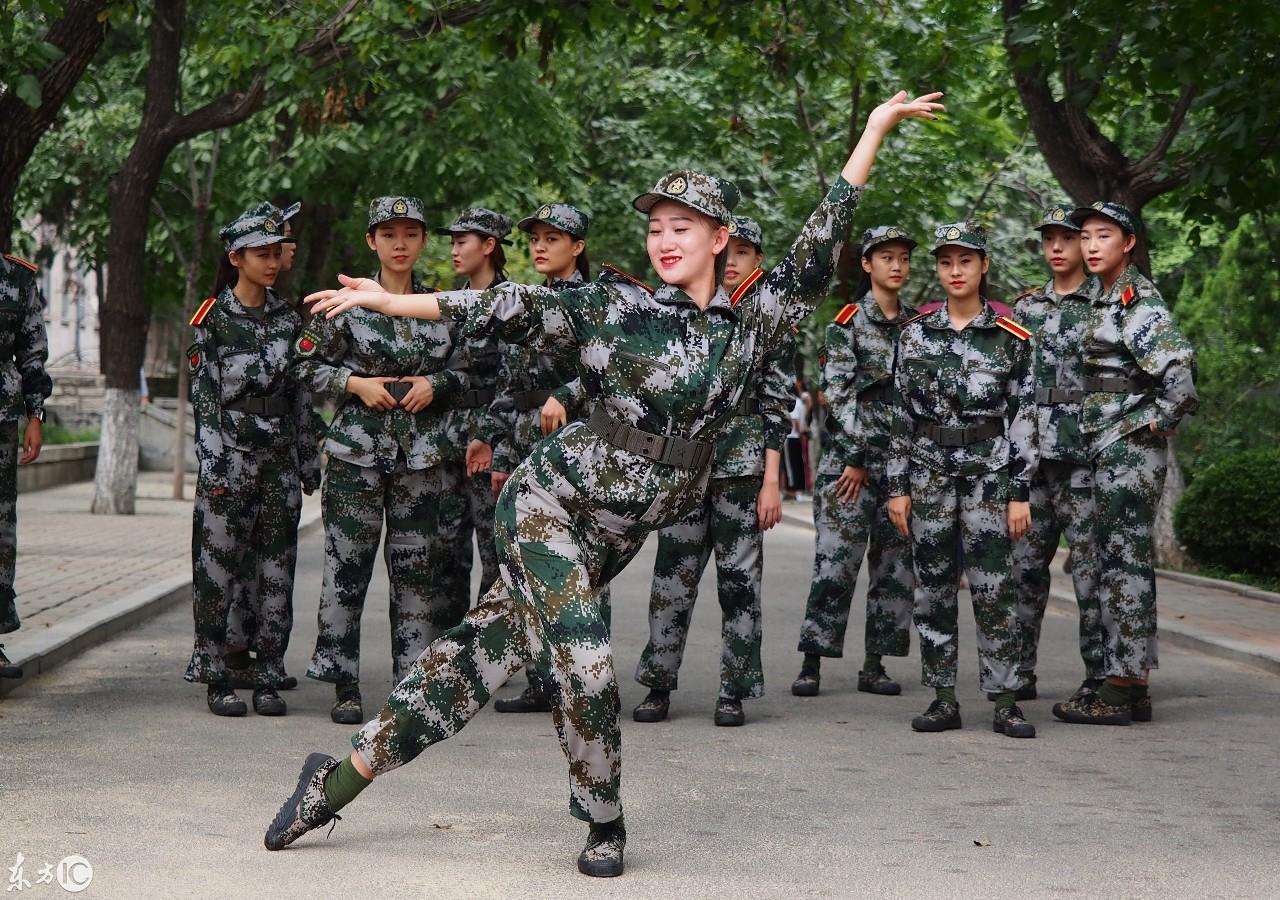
x: 859, y: 358
x: 740, y: 448
x: 487, y: 422
x: 363, y: 342
x: 964, y: 378
x: 1058, y: 325
x: 24, y: 346
x: 525, y: 369
x: 236, y: 356
x: 1131, y: 335
x: 658, y: 362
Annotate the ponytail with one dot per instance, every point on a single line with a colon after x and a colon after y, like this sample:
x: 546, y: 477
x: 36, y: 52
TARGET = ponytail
x: 227, y: 275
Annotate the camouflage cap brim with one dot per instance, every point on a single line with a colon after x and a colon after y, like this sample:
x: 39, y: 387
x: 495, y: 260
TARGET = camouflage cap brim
x: 250, y: 241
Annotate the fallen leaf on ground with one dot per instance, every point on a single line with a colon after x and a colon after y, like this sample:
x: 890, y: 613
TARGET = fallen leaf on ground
x: 982, y: 843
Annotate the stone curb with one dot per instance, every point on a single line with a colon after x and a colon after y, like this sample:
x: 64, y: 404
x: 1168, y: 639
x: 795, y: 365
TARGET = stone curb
x: 1171, y: 630
x: 68, y: 639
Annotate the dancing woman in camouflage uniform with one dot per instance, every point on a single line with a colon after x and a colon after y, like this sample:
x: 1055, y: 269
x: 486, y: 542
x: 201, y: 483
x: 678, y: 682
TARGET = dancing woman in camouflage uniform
x: 1139, y: 385
x: 258, y: 451
x: 668, y: 369
x: 850, y: 493
x: 742, y: 502
x: 394, y: 381
x: 962, y: 454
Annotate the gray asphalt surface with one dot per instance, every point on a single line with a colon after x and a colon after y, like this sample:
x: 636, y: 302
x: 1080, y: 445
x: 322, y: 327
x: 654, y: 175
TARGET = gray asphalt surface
x: 115, y: 758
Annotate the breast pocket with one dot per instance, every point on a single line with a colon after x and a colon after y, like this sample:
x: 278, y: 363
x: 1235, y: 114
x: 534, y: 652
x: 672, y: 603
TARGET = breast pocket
x: 640, y: 372
x: 924, y: 390
x: 239, y: 369
x: 984, y: 389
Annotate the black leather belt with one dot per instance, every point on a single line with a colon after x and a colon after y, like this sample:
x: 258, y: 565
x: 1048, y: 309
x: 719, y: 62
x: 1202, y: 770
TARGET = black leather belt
x: 880, y: 392
x: 961, y: 437
x: 1094, y: 384
x: 1055, y: 395
x: 475, y: 397
x: 262, y: 406
x: 747, y: 406
x: 669, y: 449
x: 527, y: 400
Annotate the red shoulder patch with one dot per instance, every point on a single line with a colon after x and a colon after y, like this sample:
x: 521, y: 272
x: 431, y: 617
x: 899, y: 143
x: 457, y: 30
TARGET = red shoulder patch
x: 1013, y: 328
x: 626, y: 277
x: 747, y: 284
x: 1128, y: 295
x: 203, y: 311
x: 845, y: 316
x: 20, y: 261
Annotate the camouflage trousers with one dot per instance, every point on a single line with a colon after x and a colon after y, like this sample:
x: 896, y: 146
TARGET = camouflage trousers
x: 727, y: 522
x: 474, y: 502
x: 844, y: 532
x: 546, y: 607
x: 355, y: 502
x: 1128, y: 478
x: 255, y: 518
x: 8, y: 525
x: 970, y: 513
x: 1061, y: 504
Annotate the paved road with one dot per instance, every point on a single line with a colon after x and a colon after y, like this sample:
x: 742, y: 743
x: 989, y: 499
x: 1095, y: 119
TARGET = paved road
x: 115, y: 758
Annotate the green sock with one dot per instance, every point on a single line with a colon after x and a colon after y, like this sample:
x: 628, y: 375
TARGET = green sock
x: 871, y: 663
x: 1005, y: 699
x: 238, y: 660
x: 1114, y: 694
x: 812, y: 663
x: 1138, y: 693
x: 343, y: 785
x: 948, y: 694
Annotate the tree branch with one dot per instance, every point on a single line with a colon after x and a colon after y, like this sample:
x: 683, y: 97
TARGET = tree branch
x: 1171, y: 129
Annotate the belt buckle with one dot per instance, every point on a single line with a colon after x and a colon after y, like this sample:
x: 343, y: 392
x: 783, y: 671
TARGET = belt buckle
x: 949, y: 436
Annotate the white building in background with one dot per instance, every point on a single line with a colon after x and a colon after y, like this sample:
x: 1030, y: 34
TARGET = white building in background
x: 72, y: 293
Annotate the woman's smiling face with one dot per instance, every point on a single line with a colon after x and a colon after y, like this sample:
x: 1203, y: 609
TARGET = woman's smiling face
x: 683, y: 243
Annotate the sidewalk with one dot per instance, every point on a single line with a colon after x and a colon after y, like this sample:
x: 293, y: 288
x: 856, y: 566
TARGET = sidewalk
x: 1215, y: 617
x: 82, y: 578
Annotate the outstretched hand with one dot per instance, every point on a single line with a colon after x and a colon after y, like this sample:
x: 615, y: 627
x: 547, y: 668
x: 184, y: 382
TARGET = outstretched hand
x: 364, y: 292
x: 892, y: 111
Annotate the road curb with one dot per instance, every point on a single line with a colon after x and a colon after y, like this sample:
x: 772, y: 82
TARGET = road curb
x: 1171, y: 630
x: 58, y: 643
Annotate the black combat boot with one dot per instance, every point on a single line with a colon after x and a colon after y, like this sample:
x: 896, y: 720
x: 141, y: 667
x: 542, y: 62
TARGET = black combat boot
x: 347, y: 711
x: 729, y: 712
x: 602, y: 857
x: 653, y: 708
x: 224, y: 702
x: 527, y: 701
x: 306, y: 808
x: 8, y: 669
x: 878, y: 682
x: 807, y: 684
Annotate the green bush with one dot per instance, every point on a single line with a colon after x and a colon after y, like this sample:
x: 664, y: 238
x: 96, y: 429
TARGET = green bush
x: 1228, y: 516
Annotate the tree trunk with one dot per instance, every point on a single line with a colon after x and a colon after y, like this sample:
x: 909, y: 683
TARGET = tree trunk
x: 1169, y: 551
x: 116, y: 479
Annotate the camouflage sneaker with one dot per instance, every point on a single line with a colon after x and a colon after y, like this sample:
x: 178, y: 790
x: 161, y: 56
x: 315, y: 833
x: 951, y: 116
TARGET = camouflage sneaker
x: 529, y: 700
x: 1141, y: 709
x: 1093, y: 710
x: 347, y: 711
x: 8, y: 669
x: 878, y: 682
x: 306, y: 808
x: 1088, y: 688
x: 1010, y: 722
x: 653, y: 708
x: 729, y: 713
x: 602, y: 857
x: 224, y: 702
x: 807, y: 684
x: 266, y: 702
x: 942, y: 715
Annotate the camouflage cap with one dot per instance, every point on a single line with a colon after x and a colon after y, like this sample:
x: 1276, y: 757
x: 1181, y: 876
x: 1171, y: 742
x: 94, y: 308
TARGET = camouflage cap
x: 1121, y: 215
x: 708, y: 194
x: 250, y: 230
x: 266, y: 208
x: 384, y: 209
x: 567, y: 218
x: 481, y: 220
x: 747, y: 229
x: 1057, y: 217
x: 959, y: 234
x: 882, y: 234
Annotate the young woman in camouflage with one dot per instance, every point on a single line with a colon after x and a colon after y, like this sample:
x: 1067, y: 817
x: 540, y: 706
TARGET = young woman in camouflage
x: 667, y: 370
x: 394, y: 382
x: 743, y: 500
x: 540, y: 392
x: 477, y: 238
x: 1057, y: 315
x: 1139, y: 384
x: 962, y: 454
x: 258, y: 452
x: 850, y: 492
x: 24, y: 386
